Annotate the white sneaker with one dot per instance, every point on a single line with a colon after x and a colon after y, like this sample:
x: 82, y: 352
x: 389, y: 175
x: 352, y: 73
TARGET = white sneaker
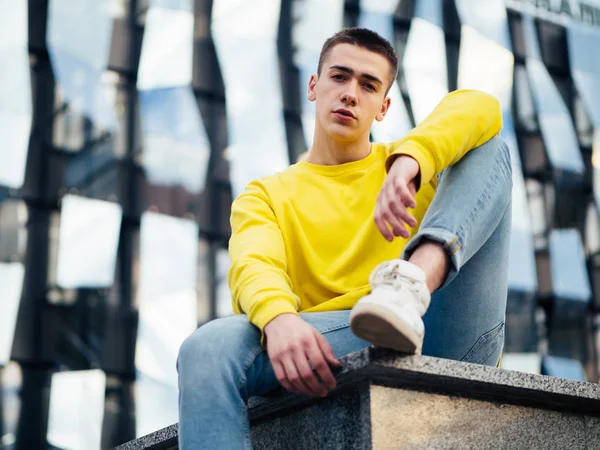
x: 390, y: 316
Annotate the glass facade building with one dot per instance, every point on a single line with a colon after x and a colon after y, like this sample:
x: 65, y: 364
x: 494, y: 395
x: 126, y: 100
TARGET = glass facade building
x: 127, y: 127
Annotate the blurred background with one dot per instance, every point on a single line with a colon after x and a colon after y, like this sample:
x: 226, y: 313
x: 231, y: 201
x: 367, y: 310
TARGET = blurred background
x: 128, y: 126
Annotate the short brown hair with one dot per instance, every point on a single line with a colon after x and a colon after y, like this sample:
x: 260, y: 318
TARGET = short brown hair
x: 365, y: 38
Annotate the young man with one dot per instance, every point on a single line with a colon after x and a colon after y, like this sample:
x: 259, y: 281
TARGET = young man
x: 344, y: 249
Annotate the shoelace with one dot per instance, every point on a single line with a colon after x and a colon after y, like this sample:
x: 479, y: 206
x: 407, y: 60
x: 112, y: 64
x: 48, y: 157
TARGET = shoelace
x: 388, y: 274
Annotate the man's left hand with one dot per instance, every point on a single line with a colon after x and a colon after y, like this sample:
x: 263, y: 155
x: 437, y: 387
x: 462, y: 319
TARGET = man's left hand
x: 395, y: 198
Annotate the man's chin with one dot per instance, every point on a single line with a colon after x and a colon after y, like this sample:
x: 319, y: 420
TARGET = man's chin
x: 343, y: 134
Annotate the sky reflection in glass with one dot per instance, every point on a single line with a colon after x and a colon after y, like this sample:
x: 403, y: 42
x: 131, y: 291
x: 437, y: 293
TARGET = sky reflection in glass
x: 175, y: 146
x: 245, y: 37
x: 424, y: 62
x: 15, y: 93
x: 167, y: 314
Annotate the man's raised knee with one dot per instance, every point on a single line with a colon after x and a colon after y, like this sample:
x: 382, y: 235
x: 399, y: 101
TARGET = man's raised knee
x: 217, y: 340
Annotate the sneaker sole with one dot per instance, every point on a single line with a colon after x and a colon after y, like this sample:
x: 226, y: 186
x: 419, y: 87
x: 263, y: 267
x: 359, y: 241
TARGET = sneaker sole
x: 374, y: 324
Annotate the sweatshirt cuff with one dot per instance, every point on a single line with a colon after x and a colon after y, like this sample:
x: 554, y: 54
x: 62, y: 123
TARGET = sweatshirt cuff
x: 416, y: 151
x: 262, y: 315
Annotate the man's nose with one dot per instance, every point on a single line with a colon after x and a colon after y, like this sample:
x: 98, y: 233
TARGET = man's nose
x: 349, y: 95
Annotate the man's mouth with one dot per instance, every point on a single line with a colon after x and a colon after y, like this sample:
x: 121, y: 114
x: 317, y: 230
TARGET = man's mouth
x: 344, y: 114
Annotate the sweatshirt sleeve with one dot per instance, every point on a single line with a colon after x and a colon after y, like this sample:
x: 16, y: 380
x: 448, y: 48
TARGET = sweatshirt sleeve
x: 463, y: 120
x: 258, y: 279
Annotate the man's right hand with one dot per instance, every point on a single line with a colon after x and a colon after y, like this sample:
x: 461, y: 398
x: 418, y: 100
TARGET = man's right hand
x: 293, y: 346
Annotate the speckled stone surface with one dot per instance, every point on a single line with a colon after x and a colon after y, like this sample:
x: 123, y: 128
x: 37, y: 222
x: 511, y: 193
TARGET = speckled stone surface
x: 163, y: 439
x: 416, y: 420
x: 516, y: 407
x: 340, y: 421
x: 486, y: 383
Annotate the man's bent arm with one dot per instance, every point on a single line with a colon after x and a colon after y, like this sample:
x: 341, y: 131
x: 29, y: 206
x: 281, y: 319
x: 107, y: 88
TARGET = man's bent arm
x: 258, y: 279
x: 463, y: 120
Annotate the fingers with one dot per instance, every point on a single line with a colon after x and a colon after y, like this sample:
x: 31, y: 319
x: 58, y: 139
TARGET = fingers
x: 327, y: 350
x: 293, y: 377
x: 403, y: 193
x: 391, y: 209
x: 281, y: 376
x: 294, y: 371
x: 308, y: 376
x: 382, y: 225
x: 321, y: 359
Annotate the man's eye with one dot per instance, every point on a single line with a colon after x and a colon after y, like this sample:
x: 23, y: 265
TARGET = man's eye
x: 338, y: 77
x: 370, y: 87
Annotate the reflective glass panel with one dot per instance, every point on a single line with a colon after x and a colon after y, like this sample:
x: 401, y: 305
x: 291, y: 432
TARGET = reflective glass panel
x: 424, y: 62
x: 13, y: 230
x: 486, y: 60
x: 582, y: 44
x: 522, y: 362
x: 11, y: 286
x: 521, y: 269
x: 76, y: 409
x: 570, y: 369
x: 485, y: 65
x: 176, y: 149
x: 569, y: 274
x: 585, y: 69
x: 486, y: 18
x: 592, y: 230
x: 378, y: 16
x: 203, y: 282
x: 245, y: 36
x: 175, y: 146
x: 556, y: 126
x: 596, y: 165
x: 79, y: 36
x: 10, y: 388
x: 167, y: 314
x: 537, y: 207
x: 184, y: 5
x: 386, y: 7
x: 525, y: 108
x: 314, y: 22
x: 155, y: 404
x: 88, y: 242
x: 224, y: 306
x: 15, y: 93
x: 166, y: 58
x: 430, y: 11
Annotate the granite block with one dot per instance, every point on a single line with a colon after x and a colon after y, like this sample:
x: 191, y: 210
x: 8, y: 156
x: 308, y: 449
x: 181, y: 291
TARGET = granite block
x: 163, y: 439
x: 415, y: 420
x: 388, y: 400
x: 477, y: 381
x: 340, y: 421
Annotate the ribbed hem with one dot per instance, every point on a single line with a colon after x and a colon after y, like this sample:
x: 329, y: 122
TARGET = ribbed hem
x: 265, y: 313
x: 414, y: 150
x: 451, y: 244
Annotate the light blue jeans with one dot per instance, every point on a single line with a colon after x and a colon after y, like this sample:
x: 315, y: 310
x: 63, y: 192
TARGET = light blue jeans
x: 222, y: 364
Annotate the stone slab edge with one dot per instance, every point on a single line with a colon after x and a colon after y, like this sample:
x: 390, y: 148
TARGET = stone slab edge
x: 444, y: 376
x: 163, y: 439
x: 423, y: 373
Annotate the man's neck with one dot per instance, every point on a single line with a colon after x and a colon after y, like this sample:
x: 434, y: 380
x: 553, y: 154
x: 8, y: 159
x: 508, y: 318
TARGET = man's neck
x: 326, y: 152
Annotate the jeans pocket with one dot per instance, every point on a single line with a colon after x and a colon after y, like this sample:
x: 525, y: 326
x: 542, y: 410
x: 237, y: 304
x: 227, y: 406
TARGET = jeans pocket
x: 488, y: 345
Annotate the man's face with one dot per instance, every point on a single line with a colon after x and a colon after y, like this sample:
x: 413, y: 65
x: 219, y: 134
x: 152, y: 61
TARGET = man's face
x: 350, y: 92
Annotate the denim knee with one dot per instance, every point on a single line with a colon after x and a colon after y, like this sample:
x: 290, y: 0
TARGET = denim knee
x: 500, y: 158
x: 219, y: 346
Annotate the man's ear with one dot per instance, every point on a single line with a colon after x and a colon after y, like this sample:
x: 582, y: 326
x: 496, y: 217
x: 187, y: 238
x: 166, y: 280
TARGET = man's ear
x: 312, y: 96
x: 384, y: 109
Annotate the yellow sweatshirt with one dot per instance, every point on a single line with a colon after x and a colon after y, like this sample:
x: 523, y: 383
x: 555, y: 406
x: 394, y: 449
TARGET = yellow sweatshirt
x: 305, y: 240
